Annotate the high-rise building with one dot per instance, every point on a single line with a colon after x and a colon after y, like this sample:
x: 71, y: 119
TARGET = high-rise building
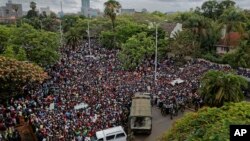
x: 85, y: 7
x: 85, y: 3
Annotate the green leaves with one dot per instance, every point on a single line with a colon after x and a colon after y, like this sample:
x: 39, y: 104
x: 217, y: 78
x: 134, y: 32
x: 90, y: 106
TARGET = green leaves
x: 25, y: 43
x: 209, y: 124
x: 218, y: 87
x: 135, y: 50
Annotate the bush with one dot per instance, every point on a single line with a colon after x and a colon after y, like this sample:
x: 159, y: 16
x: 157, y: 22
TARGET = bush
x: 213, y: 58
x: 209, y: 124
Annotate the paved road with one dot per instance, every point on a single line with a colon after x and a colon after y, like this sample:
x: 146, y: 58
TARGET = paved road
x: 160, y: 125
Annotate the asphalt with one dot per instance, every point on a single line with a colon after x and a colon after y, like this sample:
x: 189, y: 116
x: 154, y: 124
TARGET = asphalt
x: 160, y: 125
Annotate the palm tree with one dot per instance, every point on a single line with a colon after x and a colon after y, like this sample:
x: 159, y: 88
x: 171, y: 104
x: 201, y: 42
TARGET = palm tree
x: 73, y: 38
x: 234, y: 19
x: 198, y: 25
x: 111, y: 8
x: 218, y: 87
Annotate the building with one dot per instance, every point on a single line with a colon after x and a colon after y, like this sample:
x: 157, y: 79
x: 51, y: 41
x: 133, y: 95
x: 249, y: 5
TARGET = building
x: 85, y: 7
x: 128, y: 11
x: 171, y: 28
x: 10, y: 12
x: 228, y: 43
x: 93, y: 12
x: 46, y: 10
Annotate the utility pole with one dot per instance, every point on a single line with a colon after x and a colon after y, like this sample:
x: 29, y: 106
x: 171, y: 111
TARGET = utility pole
x: 61, y: 32
x: 156, y: 50
x: 89, y: 39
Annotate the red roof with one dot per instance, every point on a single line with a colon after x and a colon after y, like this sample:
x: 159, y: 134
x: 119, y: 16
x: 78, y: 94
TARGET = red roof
x: 231, y: 39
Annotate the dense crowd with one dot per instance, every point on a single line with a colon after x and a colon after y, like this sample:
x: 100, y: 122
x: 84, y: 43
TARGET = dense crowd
x: 87, y: 93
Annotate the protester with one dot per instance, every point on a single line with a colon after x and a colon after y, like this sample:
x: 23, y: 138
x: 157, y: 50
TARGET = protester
x: 102, y: 88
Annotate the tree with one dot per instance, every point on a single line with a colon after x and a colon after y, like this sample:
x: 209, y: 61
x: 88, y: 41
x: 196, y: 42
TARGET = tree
x: 184, y: 45
x: 225, y: 4
x: 209, y: 124
x: 32, y: 13
x: 107, y: 39
x: 198, y: 25
x: 209, y: 9
x: 218, y: 87
x: 111, y: 8
x: 234, y: 19
x: 4, y: 36
x: 239, y: 58
x: 35, y: 42
x: 9, y: 52
x: 135, y: 50
x: 14, y: 75
x: 73, y: 38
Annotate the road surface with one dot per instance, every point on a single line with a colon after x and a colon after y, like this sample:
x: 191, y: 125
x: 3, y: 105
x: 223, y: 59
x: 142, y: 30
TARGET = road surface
x: 160, y: 125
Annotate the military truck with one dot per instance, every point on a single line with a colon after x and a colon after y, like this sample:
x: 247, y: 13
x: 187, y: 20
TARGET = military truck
x: 140, y: 118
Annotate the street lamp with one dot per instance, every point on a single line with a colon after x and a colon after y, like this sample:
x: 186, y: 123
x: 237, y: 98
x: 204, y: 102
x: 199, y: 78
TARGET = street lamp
x: 89, y: 38
x: 156, y: 46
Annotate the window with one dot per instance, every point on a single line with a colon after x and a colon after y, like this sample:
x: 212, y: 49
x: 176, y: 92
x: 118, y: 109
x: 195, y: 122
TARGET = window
x: 121, y: 135
x: 101, y: 139
x: 110, y: 138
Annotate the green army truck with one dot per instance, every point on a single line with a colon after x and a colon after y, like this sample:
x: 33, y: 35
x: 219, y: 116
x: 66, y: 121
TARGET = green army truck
x: 140, y: 118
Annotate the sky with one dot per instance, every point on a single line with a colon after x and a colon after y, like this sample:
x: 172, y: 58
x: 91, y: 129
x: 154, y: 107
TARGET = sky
x: 73, y: 6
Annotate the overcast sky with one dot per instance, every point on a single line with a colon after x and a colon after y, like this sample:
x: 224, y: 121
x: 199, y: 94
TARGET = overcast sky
x: 151, y: 5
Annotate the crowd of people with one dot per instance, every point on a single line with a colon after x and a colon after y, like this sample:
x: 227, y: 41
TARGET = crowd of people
x: 87, y: 93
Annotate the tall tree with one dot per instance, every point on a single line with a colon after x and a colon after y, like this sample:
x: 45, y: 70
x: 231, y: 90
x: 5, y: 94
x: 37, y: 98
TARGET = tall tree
x: 111, y: 8
x: 14, y: 75
x: 209, y: 9
x: 218, y: 87
x: 135, y: 50
x: 32, y: 13
x: 234, y: 19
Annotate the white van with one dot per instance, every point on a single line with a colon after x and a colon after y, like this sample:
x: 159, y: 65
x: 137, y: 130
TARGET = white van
x: 110, y: 134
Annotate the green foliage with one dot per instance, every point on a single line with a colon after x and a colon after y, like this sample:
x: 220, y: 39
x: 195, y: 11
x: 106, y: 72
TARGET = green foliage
x: 234, y: 19
x: 125, y: 31
x: 184, y: 45
x: 209, y: 124
x: 218, y: 87
x: 213, y: 58
x: 107, y: 39
x: 5, y: 33
x: 26, y: 43
x: 69, y: 21
x: 135, y: 50
x: 241, y: 57
x: 9, y: 52
x: 32, y: 13
x: 21, y: 56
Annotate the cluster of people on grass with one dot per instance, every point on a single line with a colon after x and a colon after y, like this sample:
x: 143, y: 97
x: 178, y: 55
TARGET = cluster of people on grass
x: 87, y: 93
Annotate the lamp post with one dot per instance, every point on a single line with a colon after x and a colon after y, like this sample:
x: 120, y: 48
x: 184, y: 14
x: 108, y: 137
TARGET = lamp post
x: 156, y: 51
x: 154, y: 24
x: 89, y: 39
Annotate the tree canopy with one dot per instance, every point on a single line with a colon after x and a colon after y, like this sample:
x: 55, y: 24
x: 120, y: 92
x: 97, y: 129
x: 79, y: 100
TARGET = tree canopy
x: 27, y: 43
x: 14, y: 75
x: 210, y: 124
x: 218, y: 88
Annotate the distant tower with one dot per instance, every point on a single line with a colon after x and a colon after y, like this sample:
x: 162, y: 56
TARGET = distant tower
x: 85, y: 7
x: 61, y: 13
